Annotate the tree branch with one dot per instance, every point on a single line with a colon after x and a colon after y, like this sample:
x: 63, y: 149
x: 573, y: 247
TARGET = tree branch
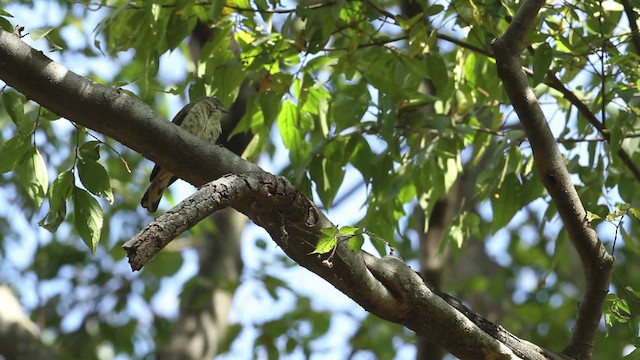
x: 596, y: 262
x: 554, y: 82
x: 386, y: 287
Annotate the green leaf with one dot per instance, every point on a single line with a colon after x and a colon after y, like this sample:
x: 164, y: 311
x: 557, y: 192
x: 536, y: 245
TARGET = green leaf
x: 328, y: 176
x: 5, y: 25
x: 327, y: 241
x: 12, y: 151
x: 58, y: 195
x: 87, y: 217
x: 46, y: 114
x: 90, y: 151
x: 438, y: 72
x: 288, y: 124
x: 348, y: 109
x: 38, y: 34
x: 179, y: 28
x: 95, y: 178
x: 434, y: 10
x: 32, y: 174
x: 14, y: 105
x: 349, y: 230
x: 355, y: 243
x: 506, y: 202
x: 541, y: 62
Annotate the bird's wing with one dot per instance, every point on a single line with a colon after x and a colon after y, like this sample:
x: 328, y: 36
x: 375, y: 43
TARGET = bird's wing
x: 179, y: 118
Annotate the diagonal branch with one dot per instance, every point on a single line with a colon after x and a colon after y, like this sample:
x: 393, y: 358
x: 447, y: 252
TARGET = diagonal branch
x: 385, y: 287
x: 555, y: 83
x: 596, y: 261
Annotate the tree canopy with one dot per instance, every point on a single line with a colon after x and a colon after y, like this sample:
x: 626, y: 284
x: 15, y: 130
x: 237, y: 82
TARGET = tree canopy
x: 486, y: 154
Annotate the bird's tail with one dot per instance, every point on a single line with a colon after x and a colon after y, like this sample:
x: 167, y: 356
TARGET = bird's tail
x: 153, y: 195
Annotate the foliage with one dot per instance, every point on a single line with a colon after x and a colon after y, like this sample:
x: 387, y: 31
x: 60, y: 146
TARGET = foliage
x: 343, y: 82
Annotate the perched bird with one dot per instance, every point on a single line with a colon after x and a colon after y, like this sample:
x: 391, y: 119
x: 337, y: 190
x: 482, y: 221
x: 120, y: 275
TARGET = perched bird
x: 201, y: 118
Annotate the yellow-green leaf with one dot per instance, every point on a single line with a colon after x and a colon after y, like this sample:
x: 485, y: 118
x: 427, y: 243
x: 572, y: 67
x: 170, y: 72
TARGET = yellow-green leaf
x: 327, y: 241
x: 355, y: 243
x: 38, y: 34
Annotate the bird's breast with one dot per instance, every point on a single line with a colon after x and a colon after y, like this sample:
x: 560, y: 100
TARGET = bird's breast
x: 203, y: 124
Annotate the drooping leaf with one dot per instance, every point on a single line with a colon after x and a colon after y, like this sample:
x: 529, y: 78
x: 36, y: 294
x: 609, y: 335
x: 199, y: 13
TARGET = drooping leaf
x: 32, y: 172
x: 541, y: 62
x: 90, y: 150
x: 58, y: 195
x: 14, y: 105
x: 37, y: 34
x: 88, y: 217
x: 506, y: 202
x: 12, y: 151
x: 356, y: 242
x: 96, y: 179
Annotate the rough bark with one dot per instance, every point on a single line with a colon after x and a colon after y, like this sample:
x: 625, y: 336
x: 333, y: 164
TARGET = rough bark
x: 386, y: 287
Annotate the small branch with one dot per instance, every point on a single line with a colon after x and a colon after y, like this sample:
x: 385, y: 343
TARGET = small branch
x: 464, y: 45
x: 555, y: 83
x: 596, y: 262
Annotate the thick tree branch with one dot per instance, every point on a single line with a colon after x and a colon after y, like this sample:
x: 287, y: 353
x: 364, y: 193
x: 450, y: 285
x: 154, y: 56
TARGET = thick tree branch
x: 596, y: 262
x: 386, y: 287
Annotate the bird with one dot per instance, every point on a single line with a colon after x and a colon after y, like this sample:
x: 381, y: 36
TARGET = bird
x: 201, y: 118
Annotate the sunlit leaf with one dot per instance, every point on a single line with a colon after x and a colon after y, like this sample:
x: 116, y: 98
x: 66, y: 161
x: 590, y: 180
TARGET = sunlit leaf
x: 327, y: 241
x: 37, y: 34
